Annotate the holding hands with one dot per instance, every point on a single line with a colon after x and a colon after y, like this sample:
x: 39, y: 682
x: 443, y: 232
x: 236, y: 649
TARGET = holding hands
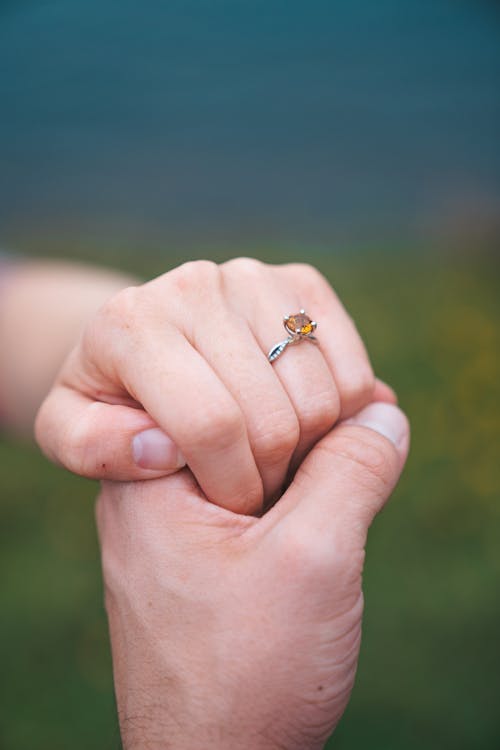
x: 232, y: 632
x: 175, y: 372
x: 231, y: 627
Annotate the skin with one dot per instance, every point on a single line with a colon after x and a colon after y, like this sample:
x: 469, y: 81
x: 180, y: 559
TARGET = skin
x: 231, y: 631
x: 44, y: 306
x: 228, y: 630
x: 182, y: 359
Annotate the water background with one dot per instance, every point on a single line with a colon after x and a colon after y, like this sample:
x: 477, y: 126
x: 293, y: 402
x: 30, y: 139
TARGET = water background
x: 222, y: 121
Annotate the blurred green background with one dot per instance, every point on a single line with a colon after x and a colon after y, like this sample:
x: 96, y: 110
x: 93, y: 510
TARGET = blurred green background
x: 429, y: 673
x: 359, y: 137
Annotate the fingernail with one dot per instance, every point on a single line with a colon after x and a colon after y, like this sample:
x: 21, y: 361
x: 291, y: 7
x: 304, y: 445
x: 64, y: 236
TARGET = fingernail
x: 385, y: 419
x: 153, y: 449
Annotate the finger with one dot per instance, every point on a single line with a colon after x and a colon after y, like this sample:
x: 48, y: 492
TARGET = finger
x: 302, y: 370
x: 345, y: 481
x: 384, y: 392
x: 188, y: 401
x: 339, y: 339
x: 311, y: 388
x: 104, y: 441
x: 231, y: 349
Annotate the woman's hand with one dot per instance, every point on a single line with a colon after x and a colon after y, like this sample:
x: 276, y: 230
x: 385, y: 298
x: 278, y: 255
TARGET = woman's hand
x: 175, y: 372
x: 243, y: 633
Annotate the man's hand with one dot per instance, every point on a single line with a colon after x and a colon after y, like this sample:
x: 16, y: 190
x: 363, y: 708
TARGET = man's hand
x: 236, y: 632
x: 175, y: 372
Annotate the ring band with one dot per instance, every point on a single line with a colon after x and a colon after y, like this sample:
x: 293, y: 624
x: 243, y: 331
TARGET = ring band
x: 300, y: 327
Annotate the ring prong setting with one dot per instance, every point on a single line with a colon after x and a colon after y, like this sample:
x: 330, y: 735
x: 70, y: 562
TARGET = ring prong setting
x: 299, y: 327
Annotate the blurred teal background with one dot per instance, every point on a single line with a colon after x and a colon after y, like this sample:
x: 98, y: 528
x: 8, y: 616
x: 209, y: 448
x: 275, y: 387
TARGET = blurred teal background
x: 362, y: 137
x: 218, y: 122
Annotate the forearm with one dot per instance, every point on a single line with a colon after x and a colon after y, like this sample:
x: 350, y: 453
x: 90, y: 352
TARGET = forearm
x: 43, y: 306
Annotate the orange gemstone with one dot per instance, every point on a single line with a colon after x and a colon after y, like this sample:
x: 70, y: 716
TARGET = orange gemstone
x: 299, y: 322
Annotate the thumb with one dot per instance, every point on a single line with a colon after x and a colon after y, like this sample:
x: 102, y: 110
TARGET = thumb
x: 347, y: 477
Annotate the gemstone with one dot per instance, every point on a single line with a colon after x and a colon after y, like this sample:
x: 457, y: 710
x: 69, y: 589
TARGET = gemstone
x: 299, y: 322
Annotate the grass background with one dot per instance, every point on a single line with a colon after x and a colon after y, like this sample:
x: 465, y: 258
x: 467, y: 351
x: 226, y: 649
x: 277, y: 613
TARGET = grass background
x: 429, y: 673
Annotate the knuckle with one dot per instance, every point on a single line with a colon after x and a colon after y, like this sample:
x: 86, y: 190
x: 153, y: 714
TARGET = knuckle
x: 315, y: 558
x: 122, y: 307
x: 277, y: 438
x: 122, y: 315
x: 220, y: 428
x: 309, y: 274
x: 307, y: 554
x: 192, y: 284
x: 81, y: 444
x: 320, y: 412
x: 358, y: 389
x: 190, y: 275
x: 245, y: 266
x: 368, y: 459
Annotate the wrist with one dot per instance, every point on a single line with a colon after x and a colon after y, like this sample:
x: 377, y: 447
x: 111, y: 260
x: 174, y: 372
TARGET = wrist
x: 168, y: 714
x: 151, y: 729
x: 170, y: 699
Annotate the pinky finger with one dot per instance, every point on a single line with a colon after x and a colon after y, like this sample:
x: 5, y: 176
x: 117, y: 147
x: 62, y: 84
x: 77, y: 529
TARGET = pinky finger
x: 104, y: 441
x: 384, y: 392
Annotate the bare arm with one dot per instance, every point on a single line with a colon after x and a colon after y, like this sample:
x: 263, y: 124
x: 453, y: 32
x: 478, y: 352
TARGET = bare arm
x: 43, y: 307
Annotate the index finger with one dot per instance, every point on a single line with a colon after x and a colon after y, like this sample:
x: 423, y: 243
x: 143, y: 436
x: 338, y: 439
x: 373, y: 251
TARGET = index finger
x: 156, y: 365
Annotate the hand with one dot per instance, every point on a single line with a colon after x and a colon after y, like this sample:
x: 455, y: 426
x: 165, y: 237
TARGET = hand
x: 230, y: 631
x: 175, y: 372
